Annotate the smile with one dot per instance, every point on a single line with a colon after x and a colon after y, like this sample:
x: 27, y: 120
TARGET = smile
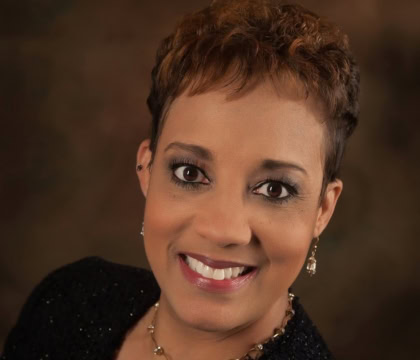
x: 215, y: 276
x: 212, y: 273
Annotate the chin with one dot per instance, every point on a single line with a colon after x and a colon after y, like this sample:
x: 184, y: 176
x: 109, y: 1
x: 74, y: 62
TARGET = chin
x: 211, y: 317
x: 211, y: 312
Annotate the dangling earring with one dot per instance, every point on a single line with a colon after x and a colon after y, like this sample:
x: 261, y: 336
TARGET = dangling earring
x: 142, y: 229
x: 311, y: 265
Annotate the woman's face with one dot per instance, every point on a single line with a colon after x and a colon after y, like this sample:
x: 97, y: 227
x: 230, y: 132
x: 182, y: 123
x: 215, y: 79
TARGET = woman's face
x: 235, y: 183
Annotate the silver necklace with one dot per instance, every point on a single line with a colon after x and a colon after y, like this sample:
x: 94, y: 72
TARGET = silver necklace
x: 254, y: 353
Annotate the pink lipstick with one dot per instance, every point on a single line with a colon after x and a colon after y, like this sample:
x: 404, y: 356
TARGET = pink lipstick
x: 216, y: 264
x: 213, y: 275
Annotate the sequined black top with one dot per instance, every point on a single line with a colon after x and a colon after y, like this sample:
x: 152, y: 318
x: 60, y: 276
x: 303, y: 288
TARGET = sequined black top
x: 84, y: 310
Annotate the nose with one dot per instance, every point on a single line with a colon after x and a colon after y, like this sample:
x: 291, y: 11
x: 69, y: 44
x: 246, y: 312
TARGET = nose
x: 223, y: 219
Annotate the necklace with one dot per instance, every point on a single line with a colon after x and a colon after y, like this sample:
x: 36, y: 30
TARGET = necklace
x: 254, y: 353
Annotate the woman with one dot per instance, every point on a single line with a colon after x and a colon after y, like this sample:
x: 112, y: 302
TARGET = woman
x: 252, y: 103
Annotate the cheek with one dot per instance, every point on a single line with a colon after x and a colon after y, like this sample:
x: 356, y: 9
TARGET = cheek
x: 164, y: 219
x: 168, y: 207
x: 157, y: 236
x: 286, y: 240
x: 157, y: 225
x: 288, y: 247
x: 286, y: 256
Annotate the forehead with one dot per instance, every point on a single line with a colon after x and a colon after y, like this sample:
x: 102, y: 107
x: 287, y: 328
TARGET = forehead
x: 265, y: 122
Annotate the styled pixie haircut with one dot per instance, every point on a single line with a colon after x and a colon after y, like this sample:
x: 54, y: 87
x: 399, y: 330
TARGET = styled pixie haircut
x: 235, y: 44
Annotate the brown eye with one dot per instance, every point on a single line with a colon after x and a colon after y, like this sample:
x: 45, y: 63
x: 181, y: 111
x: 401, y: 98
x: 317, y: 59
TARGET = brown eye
x: 273, y: 189
x: 188, y: 173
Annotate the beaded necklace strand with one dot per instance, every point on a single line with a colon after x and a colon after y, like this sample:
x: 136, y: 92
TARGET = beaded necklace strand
x: 254, y: 353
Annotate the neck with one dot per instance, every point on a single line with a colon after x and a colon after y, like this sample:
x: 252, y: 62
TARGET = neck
x: 181, y: 340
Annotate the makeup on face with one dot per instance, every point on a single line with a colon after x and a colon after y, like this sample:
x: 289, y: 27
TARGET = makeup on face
x: 232, y: 203
x: 213, y: 275
x: 276, y: 184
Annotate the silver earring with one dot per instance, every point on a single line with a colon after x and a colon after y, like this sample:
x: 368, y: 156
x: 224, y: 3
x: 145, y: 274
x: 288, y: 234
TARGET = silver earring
x: 142, y: 229
x: 311, y: 265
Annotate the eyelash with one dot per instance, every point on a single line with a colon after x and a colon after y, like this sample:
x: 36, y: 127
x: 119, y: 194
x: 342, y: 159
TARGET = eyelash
x: 289, y: 185
x: 285, y: 182
x: 177, y: 163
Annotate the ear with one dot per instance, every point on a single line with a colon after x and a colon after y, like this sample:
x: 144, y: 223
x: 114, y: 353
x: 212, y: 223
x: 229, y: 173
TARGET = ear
x: 328, y: 202
x: 144, y: 157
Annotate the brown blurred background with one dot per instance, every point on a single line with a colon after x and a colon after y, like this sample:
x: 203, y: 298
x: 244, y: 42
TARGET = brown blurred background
x: 74, y: 77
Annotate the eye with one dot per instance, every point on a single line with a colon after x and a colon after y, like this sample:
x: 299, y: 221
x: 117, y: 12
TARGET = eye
x: 272, y: 190
x: 190, y: 174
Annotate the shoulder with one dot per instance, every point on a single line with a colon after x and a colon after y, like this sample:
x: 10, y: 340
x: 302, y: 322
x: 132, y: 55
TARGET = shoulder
x: 94, y: 272
x: 88, y: 282
x: 301, y: 341
x: 91, y: 300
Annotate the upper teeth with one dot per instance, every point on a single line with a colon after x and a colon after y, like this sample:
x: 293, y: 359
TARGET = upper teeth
x: 211, y: 273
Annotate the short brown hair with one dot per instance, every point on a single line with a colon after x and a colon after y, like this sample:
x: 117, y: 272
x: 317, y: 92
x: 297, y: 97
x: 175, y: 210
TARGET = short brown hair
x: 237, y: 43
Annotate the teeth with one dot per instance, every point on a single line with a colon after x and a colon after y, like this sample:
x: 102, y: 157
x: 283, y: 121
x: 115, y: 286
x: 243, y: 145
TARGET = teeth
x: 193, y: 263
x: 199, y: 268
x: 235, y: 272
x: 210, y: 273
x: 218, y: 274
x: 207, y: 272
x: 228, y: 273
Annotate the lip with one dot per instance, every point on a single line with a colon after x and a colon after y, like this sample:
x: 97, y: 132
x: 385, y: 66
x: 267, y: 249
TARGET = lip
x: 216, y: 264
x: 211, y: 285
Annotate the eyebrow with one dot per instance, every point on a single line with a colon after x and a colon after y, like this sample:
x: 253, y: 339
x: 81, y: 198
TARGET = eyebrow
x: 270, y: 164
x: 267, y: 164
x: 194, y: 149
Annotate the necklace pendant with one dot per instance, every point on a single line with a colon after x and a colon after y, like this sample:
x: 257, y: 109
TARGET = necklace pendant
x: 158, y: 350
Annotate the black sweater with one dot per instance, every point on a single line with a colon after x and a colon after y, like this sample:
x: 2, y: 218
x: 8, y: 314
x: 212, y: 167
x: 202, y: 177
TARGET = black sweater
x: 85, y: 309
